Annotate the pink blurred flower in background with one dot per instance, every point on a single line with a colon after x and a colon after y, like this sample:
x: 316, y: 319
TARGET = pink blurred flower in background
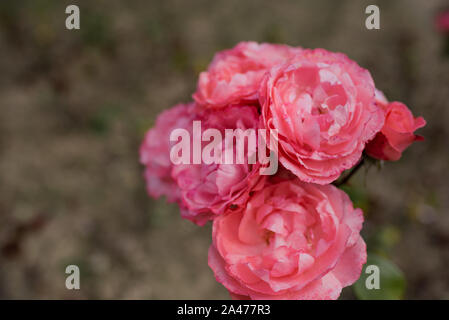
x: 322, y: 105
x: 442, y: 22
x: 293, y: 241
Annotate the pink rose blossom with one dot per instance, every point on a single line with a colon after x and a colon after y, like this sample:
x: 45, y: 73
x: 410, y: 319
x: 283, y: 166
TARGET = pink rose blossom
x: 397, y: 132
x: 208, y: 190
x: 322, y: 106
x: 234, y: 75
x: 293, y: 241
x: 155, y: 151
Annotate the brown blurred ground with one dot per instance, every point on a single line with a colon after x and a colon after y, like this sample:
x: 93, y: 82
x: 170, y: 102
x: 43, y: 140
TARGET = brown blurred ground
x: 74, y: 106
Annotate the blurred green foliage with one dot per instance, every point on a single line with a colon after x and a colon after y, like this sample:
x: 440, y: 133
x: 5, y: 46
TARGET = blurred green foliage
x: 358, y: 196
x: 100, y: 122
x: 96, y: 31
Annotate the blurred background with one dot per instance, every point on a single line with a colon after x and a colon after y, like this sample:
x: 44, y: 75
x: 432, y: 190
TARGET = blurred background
x: 75, y: 104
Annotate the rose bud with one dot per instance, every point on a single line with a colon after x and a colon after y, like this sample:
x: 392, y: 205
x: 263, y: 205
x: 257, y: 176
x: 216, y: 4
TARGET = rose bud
x: 396, y: 134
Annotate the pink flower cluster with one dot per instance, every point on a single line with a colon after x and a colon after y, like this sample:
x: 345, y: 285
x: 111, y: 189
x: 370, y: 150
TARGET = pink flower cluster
x: 291, y: 235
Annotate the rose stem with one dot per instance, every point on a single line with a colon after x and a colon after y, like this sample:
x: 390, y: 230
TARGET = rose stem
x: 350, y: 174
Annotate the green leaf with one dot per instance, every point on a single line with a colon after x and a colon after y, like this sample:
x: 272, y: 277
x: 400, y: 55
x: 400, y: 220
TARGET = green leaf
x: 391, y: 280
x: 358, y: 196
x: 100, y: 122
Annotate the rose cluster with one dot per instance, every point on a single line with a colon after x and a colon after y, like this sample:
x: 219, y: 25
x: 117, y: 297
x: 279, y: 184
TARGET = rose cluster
x: 290, y: 235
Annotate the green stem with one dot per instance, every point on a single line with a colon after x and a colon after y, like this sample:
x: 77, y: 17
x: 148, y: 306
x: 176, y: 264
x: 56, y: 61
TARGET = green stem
x: 351, y: 173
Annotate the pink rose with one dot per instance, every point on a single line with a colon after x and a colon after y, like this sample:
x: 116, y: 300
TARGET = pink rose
x: 234, y: 75
x: 322, y: 106
x: 442, y: 21
x: 397, y: 132
x: 155, y: 151
x: 208, y: 190
x: 293, y: 241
